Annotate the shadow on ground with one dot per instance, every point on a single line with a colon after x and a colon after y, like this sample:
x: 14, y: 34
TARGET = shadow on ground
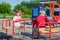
x: 27, y: 34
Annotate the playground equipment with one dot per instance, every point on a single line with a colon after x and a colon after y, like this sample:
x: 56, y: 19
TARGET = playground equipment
x: 54, y: 9
x: 54, y: 14
x: 36, y: 31
x: 7, y: 27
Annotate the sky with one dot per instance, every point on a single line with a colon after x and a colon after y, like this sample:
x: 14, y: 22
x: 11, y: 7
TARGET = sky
x: 13, y: 2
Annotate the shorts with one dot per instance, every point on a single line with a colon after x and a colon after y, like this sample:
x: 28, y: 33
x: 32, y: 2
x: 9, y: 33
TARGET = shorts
x: 17, y: 24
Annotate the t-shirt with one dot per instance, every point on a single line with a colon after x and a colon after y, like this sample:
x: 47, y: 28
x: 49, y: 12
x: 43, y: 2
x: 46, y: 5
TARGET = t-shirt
x: 17, y: 18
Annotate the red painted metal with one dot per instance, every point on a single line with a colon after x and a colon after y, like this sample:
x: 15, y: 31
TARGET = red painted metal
x: 50, y: 29
x: 52, y: 7
x: 50, y: 32
x: 24, y: 26
x: 2, y: 25
x: 52, y: 4
x: 13, y: 31
x: 6, y: 26
x: 7, y: 23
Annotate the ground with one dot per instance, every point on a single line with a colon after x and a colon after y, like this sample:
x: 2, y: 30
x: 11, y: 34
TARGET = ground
x: 27, y: 35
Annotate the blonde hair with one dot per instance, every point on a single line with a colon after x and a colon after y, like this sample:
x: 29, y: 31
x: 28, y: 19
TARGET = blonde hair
x: 42, y: 12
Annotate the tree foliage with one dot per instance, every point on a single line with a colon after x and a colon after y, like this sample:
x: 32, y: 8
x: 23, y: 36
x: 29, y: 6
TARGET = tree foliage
x: 58, y: 1
x: 24, y: 2
x: 5, y: 7
x: 25, y: 9
x: 34, y: 1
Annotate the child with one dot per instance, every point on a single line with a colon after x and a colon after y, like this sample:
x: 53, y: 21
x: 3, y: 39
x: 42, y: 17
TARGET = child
x: 41, y: 19
x: 39, y: 22
x: 17, y: 18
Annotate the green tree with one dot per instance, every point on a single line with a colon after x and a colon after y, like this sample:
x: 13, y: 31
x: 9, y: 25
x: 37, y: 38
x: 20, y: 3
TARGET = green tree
x: 17, y: 7
x: 24, y: 2
x: 34, y: 1
x: 58, y: 1
x: 27, y: 10
x: 5, y: 7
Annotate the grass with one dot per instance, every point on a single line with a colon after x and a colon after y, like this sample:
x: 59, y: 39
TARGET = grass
x: 11, y: 15
x: 6, y: 15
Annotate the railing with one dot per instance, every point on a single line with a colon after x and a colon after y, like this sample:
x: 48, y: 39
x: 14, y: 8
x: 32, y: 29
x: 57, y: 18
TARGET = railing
x: 12, y: 27
x: 50, y: 31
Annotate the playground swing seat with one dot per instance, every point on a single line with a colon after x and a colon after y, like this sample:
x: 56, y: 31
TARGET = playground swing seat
x: 48, y: 28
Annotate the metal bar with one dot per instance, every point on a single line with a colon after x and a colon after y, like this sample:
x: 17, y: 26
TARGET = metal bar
x: 24, y: 26
x: 2, y: 24
x: 6, y: 26
x: 50, y: 32
x: 13, y: 31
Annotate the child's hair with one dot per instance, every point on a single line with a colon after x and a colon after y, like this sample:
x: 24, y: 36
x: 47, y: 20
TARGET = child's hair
x: 42, y: 12
x: 17, y: 11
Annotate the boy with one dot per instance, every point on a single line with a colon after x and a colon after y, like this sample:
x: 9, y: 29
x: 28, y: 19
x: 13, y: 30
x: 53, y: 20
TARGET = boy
x: 41, y: 19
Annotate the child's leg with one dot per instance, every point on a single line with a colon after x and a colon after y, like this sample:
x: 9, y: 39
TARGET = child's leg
x: 20, y: 30
x: 17, y: 29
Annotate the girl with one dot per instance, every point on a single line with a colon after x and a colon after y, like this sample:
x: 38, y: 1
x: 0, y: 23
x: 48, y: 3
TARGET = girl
x: 17, y: 22
x: 17, y: 18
